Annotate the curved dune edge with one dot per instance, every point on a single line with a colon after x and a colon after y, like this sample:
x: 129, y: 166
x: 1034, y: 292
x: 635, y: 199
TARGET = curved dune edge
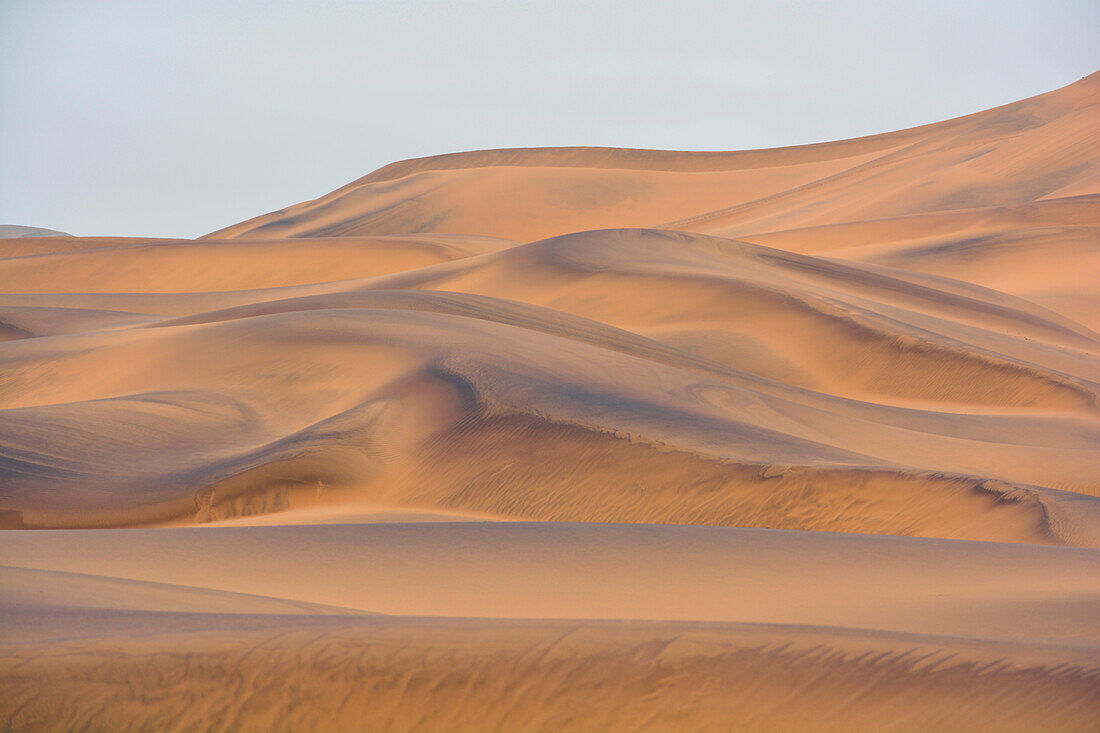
x: 408, y: 440
x: 30, y: 597
x: 450, y: 364
x: 528, y: 470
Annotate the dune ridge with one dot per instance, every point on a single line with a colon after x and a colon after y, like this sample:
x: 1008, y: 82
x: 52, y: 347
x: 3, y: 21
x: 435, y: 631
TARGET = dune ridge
x: 580, y: 439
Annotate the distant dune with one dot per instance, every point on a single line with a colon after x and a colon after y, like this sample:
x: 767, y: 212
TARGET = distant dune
x: 14, y: 231
x: 574, y: 439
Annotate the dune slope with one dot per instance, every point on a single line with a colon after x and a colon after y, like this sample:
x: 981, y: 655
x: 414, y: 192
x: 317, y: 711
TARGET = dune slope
x: 1039, y: 148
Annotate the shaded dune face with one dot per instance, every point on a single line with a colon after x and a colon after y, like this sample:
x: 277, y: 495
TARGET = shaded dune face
x: 626, y: 439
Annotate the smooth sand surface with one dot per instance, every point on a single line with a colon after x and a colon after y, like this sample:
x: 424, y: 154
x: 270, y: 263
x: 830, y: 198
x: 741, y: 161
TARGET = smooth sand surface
x: 610, y: 571
x: 574, y: 439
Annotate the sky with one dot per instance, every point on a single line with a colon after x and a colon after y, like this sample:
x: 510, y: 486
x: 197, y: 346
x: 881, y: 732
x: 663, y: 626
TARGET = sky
x: 174, y: 119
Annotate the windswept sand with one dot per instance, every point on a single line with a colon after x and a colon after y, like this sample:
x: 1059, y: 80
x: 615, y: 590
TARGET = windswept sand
x: 574, y: 439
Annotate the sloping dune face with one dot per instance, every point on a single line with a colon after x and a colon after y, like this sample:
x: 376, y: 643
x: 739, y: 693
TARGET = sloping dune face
x: 1040, y: 148
x: 574, y: 439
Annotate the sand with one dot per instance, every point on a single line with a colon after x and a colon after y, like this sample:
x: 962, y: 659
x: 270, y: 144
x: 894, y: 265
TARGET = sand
x: 574, y: 439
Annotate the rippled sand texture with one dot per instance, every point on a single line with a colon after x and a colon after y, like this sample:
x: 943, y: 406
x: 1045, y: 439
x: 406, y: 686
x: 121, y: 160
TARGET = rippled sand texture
x: 574, y: 439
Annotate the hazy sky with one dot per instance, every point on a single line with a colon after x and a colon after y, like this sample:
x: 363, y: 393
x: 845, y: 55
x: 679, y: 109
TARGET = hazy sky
x: 177, y: 118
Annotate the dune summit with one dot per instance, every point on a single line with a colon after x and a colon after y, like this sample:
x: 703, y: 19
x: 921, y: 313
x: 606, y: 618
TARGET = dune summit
x: 577, y: 439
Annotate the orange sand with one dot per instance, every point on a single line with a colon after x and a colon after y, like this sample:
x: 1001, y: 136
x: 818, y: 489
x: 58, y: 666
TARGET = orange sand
x: 574, y: 439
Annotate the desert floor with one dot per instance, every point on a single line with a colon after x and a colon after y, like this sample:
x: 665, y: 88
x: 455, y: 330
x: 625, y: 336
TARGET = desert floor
x: 574, y: 439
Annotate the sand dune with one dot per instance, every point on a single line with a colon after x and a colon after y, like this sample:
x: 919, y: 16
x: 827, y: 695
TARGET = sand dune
x: 14, y: 231
x: 617, y: 571
x: 768, y: 671
x: 188, y: 265
x: 574, y: 439
x: 1043, y: 147
x: 39, y: 594
x: 441, y: 675
x: 444, y: 386
x: 1045, y: 252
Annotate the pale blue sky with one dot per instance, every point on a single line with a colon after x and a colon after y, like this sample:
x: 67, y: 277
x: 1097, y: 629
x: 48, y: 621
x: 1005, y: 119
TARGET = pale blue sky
x: 157, y: 118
